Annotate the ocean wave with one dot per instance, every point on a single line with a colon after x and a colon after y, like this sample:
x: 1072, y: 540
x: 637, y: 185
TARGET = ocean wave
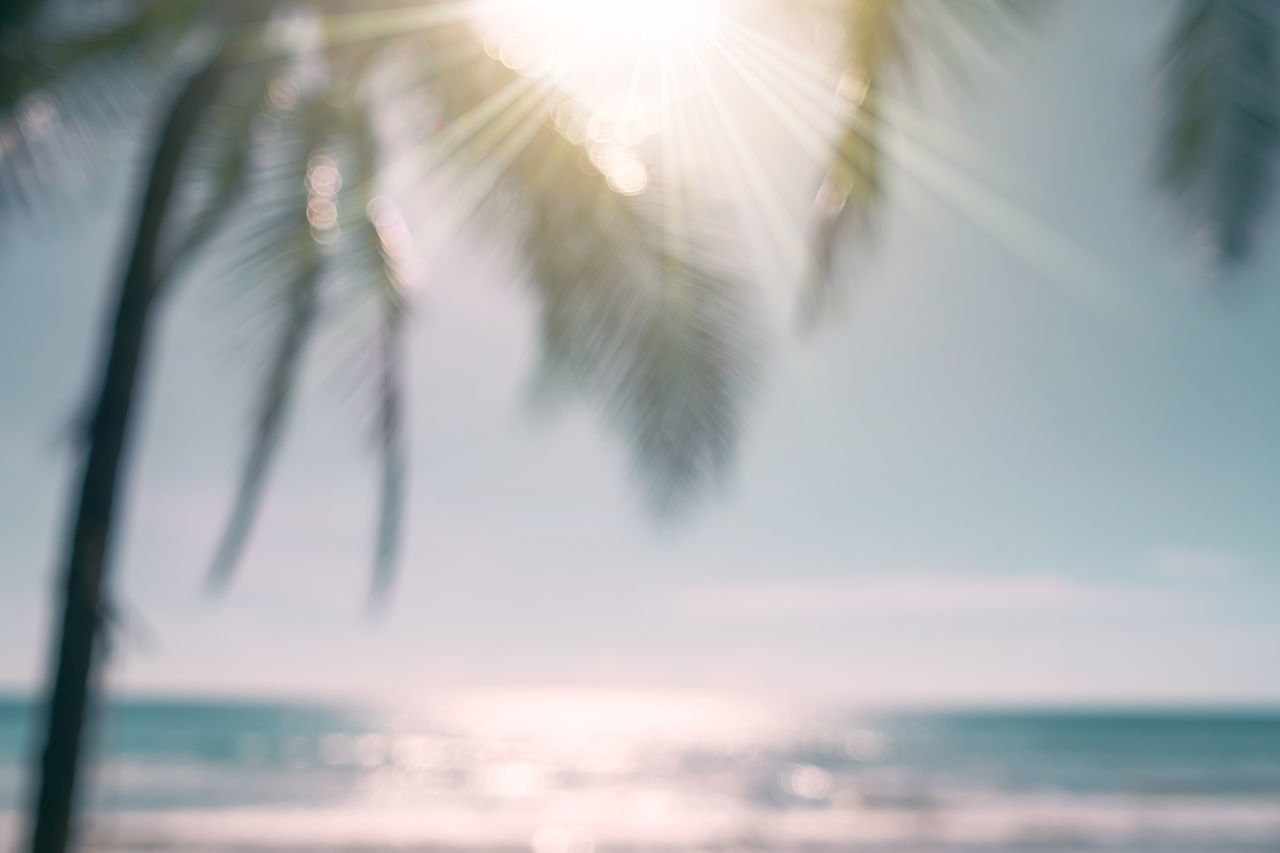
x: 580, y: 822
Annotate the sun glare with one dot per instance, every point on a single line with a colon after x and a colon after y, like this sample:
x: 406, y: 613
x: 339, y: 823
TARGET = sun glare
x: 626, y: 63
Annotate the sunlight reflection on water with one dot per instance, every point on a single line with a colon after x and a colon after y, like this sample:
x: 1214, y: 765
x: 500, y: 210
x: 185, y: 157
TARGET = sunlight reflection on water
x: 577, y: 772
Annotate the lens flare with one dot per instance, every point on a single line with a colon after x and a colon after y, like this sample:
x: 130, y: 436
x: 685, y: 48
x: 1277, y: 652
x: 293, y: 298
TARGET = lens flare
x: 627, y: 61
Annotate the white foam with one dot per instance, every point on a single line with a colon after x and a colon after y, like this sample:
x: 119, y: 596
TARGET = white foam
x: 664, y: 819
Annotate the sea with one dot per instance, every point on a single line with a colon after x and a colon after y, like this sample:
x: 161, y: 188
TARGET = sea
x: 633, y: 774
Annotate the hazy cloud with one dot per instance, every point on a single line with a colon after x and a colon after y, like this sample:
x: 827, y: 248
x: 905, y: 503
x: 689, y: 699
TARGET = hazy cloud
x: 1198, y: 564
x: 932, y: 594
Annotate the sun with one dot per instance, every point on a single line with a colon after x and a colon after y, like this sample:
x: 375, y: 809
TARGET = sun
x: 628, y: 61
x: 637, y: 21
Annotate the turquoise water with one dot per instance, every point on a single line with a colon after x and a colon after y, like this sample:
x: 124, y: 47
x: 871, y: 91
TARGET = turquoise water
x: 190, y: 775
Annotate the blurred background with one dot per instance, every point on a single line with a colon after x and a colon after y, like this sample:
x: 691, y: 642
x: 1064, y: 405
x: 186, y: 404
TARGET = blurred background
x: 674, y: 426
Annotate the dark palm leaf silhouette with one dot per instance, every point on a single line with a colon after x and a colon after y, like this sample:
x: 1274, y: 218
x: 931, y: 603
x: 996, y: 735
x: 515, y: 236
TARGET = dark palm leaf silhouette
x: 1220, y: 75
x: 284, y: 251
x: 379, y: 261
x: 69, y: 72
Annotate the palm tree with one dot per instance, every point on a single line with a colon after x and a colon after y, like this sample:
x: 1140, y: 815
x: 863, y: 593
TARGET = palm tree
x: 631, y: 316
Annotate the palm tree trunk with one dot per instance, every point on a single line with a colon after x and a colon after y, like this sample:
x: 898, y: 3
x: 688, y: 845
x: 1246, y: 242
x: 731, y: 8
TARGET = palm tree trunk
x: 85, y: 577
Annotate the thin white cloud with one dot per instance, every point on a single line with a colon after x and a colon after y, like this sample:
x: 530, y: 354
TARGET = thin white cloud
x: 1203, y: 564
x: 899, y: 596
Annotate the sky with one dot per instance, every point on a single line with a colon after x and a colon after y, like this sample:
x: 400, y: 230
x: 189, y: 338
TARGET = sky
x: 1033, y: 462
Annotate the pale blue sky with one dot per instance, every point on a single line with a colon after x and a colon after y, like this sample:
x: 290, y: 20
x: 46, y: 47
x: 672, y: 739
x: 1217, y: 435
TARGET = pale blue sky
x: 1036, y: 462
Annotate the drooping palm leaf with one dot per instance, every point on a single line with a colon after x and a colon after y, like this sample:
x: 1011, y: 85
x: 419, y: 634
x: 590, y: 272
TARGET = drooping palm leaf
x: 652, y: 330
x: 314, y: 207
x: 1221, y: 84
x: 885, y: 42
x: 286, y: 254
x: 374, y: 255
x: 223, y: 160
x: 392, y: 448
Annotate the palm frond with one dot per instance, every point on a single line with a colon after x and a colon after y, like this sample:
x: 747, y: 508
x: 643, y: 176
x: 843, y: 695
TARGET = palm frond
x: 1220, y: 76
x: 311, y: 221
x: 637, y: 314
x: 286, y: 252
x: 373, y: 256
x: 70, y: 78
x: 846, y: 207
x: 392, y: 449
x: 223, y: 161
x: 886, y: 41
x: 640, y: 317
x: 277, y: 393
x: 875, y: 46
